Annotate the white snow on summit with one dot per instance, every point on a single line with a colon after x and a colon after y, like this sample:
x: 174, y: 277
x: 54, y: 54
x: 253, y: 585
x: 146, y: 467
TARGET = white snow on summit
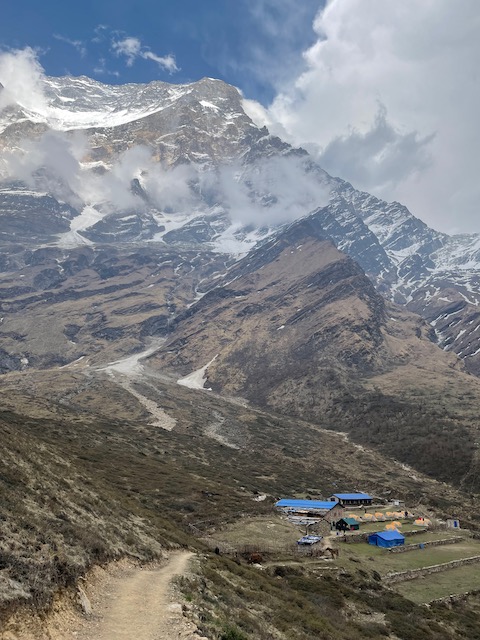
x: 82, y: 103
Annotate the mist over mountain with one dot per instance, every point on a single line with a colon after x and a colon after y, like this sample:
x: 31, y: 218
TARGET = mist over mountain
x: 128, y: 211
x: 85, y: 163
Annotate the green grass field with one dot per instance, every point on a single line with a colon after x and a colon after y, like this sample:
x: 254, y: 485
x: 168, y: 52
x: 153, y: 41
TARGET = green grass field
x: 385, y: 562
x: 440, y: 585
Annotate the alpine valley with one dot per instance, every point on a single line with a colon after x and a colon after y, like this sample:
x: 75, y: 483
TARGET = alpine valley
x: 193, y: 314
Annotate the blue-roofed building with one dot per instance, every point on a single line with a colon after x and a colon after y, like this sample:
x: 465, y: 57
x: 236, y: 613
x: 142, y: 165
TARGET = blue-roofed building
x: 352, y: 499
x: 325, y: 509
x: 386, y: 539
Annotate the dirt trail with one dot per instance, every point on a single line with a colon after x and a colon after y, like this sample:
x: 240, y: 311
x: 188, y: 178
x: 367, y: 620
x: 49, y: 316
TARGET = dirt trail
x: 140, y: 604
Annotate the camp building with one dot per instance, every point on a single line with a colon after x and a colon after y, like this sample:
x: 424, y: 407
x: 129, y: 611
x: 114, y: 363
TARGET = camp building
x: 328, y: 510
x: 347, y: 524
x: 352, y: 499
x: 386, y: 539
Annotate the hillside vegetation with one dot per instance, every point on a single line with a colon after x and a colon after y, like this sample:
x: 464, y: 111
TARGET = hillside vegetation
x: 80, y: 489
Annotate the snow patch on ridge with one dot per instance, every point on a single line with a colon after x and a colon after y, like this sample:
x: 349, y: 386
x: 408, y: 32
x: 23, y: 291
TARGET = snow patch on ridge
x: 198, y: 378
x: 87, y: 218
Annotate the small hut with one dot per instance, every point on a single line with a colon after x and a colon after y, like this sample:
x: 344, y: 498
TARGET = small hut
x: 347, y: 524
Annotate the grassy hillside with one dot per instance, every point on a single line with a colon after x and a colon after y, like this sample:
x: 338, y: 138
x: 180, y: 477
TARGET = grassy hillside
x: 79, y: 489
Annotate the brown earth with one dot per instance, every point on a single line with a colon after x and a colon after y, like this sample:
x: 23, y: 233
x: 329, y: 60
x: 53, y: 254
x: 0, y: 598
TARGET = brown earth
x: 123, y: 600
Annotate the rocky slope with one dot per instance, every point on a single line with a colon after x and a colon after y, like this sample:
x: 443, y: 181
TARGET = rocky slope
x: 61, y: 306
x: 234, y: 192
x: 296, y: 326
x: 122, y: 206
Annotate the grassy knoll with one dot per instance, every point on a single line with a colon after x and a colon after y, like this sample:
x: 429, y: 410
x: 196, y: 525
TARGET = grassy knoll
x: 269, y: 530
x: 440, y: 585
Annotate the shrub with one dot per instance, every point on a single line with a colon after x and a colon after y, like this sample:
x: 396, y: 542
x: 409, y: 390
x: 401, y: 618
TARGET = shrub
x: 233, y: 633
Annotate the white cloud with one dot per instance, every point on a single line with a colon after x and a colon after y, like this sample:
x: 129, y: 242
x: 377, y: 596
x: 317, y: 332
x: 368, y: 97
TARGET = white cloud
x: 419, y: 61
x: 132, y: 49
x: 102, y: 70
x: 50, y: 163
x: 77, y: 44
x: 128, y: 47
x: 22, y: 77
x: 271, y: 191
x: 165, y: 62
x: 378, y: 159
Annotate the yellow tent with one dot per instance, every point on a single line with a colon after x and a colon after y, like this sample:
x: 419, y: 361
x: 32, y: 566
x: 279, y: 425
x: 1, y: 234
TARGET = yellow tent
x: 369, y: 516
x: 399, y: 514
x: 390, y: 514
x: 379, y: 515
x: 396, y: 524
x: 390, y: 526
x: 355, y: 516
x: 422, y: 522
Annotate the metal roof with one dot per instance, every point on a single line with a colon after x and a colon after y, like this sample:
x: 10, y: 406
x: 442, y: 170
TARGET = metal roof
x: 312, y: 505
x: 352, y: 496
x: 388, y: 535
x: 350, y: 521
x: 309, y: 540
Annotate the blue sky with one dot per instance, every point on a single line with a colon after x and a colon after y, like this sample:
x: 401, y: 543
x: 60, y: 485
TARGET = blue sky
x: 255, y: 44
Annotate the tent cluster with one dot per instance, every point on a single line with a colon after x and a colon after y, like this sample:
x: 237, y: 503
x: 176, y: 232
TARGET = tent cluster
x: 378, y: 516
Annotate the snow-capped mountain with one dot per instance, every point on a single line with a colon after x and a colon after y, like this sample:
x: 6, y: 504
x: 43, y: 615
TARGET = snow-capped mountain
x: 185, y: 165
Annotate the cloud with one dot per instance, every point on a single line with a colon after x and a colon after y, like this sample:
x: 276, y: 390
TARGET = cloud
x: 131, y: 48
x: 128, y: 47
x: 165, y: 62
x: 101, y: 69
x: 50, y: 163
x: 419, y: 61
x: 22, y: 77
x: 271, y: 191
x: 378, y: 159
x: 77, y: 44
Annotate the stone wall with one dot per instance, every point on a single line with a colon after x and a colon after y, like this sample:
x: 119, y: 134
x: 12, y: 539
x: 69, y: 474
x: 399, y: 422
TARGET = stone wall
x: 431, y: 543
x: 402, y: 576
x: 363, y: 536
x: 455, y: 597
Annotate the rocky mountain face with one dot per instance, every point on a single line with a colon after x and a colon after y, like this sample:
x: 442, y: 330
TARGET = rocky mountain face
x: 431, y: 273
x: 234, y: 192
x: 133, y: 213
x: 296, y: 327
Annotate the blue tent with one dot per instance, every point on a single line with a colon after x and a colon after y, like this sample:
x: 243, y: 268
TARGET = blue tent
x: 386, y: 539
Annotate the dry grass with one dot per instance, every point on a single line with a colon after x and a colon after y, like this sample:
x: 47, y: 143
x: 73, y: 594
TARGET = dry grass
x: 441, y: 585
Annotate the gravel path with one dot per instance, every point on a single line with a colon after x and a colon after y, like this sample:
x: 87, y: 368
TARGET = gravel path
x: 140, y: 604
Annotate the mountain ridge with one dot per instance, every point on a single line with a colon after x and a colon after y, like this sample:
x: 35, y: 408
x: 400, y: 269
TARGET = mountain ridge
x: 132, y: 269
